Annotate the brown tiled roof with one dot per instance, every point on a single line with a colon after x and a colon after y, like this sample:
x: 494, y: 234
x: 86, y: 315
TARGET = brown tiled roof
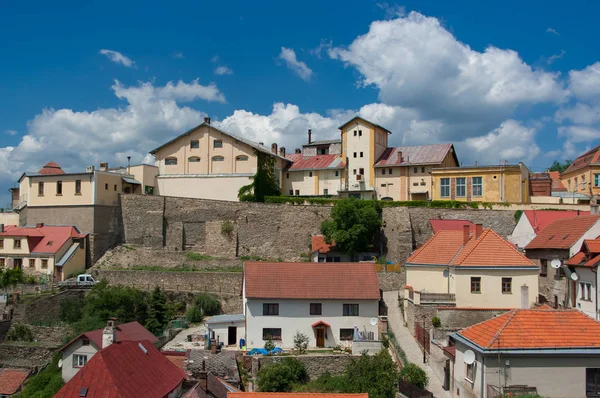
x: 562, y: 233
x: 536, y: 329
x: 51, y: 168
x: 557, y: 184
x: 588, y: 255
x: 589, y: 158
x: 319, y: 244
x: 11, y: 380
x: 414, y: 155
x: 311, y: 280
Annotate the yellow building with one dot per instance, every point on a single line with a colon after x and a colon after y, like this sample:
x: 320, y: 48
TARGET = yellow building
x: 208, y: 163
x: 582, y: 177
x: 505, y: 183
x: 51, y: 252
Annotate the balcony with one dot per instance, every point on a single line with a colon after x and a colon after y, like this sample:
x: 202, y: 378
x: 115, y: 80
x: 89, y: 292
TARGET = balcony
x: 425, y: 298
x: 20, y: 203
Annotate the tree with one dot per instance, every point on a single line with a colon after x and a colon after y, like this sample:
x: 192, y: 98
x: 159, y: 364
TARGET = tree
x: 376, y: 375
x: 44, y: 384
x: 353, y: 225
x: 282, y: 376
x: 300, y: 342
x: 204, y: 304
x: 157, y: 312
x: 414, y: 375
x: 11, y: 278
x: 560, y: 167
x: 264, y: 183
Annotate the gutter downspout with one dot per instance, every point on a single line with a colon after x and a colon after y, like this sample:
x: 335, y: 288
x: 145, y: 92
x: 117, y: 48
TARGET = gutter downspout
x: 596, y: 290
x: 483, y: 392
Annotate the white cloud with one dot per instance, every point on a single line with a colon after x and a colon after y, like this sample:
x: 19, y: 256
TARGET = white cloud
x: 117, y: 58
x: 324, y: 45
x: 585, y: 84
x: 181, y: 91
x: 554, y: 57
x: 178, y: 55
x: 289, y: 56
x: 580, y: 113
x: 223, y: 70
x: 579, y: 134
x: 553, y: 31
x: 10, y: 132
x: 392, y: 10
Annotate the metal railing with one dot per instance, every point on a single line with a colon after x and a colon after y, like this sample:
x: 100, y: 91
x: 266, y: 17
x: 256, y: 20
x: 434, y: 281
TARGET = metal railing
x: 21, y: 202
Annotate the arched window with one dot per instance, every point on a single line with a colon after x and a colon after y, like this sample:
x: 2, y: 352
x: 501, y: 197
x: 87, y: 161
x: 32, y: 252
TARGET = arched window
x: 170, y: 161
x: 218, y: 158
x: 193, y: 159
x: 241, y: 158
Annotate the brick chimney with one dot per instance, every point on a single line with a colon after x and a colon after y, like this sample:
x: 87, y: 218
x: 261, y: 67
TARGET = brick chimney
x: 274, y: 148
x: 399, y: 156
x: 309, y: 136
x: 282, y: 151
x: 108, y: 334
x: 478, y: 230
x: 203, y: 376
x: 466, y: 233
x: 297, y: 150
x: 103, y: 166
x: 206, y: 120
x: 39, y: 225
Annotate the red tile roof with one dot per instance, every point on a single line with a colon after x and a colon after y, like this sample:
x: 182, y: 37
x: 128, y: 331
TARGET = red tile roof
x: 46, y: 239
x: 447, y: 248
x: 311, y: 280
x: 414, y: 155
x: 319, y: 162
x: 132, y: 331
x: 319, y: 244
x: 293, y: 395
x: 11, y: 380
x: 588, y: 255
x: 452, y: 225
x: 539, y: 219
x: 589, y: 158
x: 562, y: 233
x: 51, y: 168
x: 124, y: 370
x: 557, y: 184
x: 535, y: 329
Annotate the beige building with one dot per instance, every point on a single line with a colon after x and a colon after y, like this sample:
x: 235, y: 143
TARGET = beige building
x: 504, y: 183
x: 50, y: 252
x: 208, y: 163
x: 582, y: 177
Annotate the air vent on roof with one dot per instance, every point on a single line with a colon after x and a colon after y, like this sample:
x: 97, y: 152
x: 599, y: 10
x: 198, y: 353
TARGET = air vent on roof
x: 83, y: 392
x: 565, y: 237
x: 144, y: 350
x: 550, y: 238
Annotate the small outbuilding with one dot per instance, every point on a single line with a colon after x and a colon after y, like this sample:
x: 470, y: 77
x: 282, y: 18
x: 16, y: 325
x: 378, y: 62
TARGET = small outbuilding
x: 228, y: 329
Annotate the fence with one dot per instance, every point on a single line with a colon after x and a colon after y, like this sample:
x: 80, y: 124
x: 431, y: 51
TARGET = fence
x: 411, y: 391
x: 509, y: 391
x: 423, y: 338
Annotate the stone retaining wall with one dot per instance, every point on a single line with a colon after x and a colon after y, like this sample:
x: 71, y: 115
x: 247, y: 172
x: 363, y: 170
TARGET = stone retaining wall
x: 45, y: 309
x: 315, y: 365
x: 26, y: 354
x: 389, y: 281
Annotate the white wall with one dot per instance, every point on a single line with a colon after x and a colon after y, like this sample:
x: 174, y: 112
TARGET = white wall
x: 221, y: 331
x: 428, y: 279
x: 523, y: 232
x: 591, y: 233
x: 294, y: 315
x: 202, y: 187
x: 359, y: 144
x: 68, y: 371
x: 586, y: 275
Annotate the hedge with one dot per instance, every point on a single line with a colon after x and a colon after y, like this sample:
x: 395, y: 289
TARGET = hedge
x: 442, y: 204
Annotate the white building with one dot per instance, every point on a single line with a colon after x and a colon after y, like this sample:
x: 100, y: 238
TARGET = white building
x: 228, y: 329
x: 332, y: 303
x: 584, y: 279
x: 532, y: 222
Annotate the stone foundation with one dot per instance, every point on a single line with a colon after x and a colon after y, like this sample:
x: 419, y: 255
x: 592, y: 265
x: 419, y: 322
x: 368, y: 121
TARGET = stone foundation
x: 315, y: 365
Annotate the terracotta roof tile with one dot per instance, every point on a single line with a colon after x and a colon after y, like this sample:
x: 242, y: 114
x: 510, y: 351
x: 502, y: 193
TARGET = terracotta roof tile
x: 131, y: 331
x: 293, y: 395
x: 319, y: 162
x: 311, y: 280
x: 319, y: 244
x: 588, y: 255
x: 562, y: 233
x: 11, y: 380
x: 48, y: 239
x: 535, y: 329
x: 414, y: 155
x: 51, y: 168
x: 454, y: 225
x: 539, y: 219
x: 587, y: 159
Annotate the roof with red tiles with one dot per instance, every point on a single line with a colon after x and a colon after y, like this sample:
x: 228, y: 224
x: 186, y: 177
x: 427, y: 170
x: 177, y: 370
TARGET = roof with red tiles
x: 131, y: 331
x: 319, y: 244
x: 589, y: 158
x: 535, y: 329
x: 588, y: 255
x: 414, y: 155
x: 319, y: 162
x: 452, y: 225
x: 539, y: 219
x: 447, y: 247
x: 124, y: 370
x: 11, y: 380
x: 51, y: 168
x: 293, y: 395
x: 562, y: 233
x: 47, y: 239
x: 557, y: 184
x: 311, y: 280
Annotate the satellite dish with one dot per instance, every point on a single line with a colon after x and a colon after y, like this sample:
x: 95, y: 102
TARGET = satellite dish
x: 574, y: 276
x: 446, y: 273
x: 469, y: 357
x: 373, y: 321
x: 556, y: 263
x: 60, y: 363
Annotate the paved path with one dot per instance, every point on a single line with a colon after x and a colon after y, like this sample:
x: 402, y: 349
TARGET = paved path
x: 409, y: 345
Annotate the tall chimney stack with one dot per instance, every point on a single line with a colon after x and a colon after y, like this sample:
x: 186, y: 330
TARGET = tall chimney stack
x: 309, y: 136
x: 108, y: 334
x: 274, y: 148
x: 478, y: 230
x: 282, y: 151
x: 399, y: 156
x: 466, y: 233
x: 207, y: 120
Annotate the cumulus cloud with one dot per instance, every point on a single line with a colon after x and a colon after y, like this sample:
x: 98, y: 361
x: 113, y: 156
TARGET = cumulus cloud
x: 585, y: 83
x: 223, y: 70
x: 117, y: 58
x: 182, y: 92
x: 579, y: 134
x: 391, y: 10
x: 553, y: 31
x: 288, y: 55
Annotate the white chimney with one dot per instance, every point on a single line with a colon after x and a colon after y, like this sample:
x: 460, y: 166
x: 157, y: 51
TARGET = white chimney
x: 103, y: 166
x: 108, y: 334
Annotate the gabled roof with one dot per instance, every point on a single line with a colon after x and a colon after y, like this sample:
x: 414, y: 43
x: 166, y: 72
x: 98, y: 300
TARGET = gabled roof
x: 557, y: 184
x: 562, y: 233
x: 588, y: 255
x: 319, y: 162
x: 132, y: 331
x: 11, y: 380
x: 452, y: 225
x: 535, y: 329
x: 364, y: 120
x: 353, y: 281
x: 253, y: 144
x: 447, y: 247
x: 589, y: 158
x: 319, y: 244
x: 125, y: 370
x: 539, y: 219
x: 415, y: 155
x: 47, y: 239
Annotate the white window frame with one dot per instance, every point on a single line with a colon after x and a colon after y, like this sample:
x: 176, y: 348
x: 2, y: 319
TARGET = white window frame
x: 79, y: 360
x: 480, y: 185
x: 442, y: 186
x: 463, y: 185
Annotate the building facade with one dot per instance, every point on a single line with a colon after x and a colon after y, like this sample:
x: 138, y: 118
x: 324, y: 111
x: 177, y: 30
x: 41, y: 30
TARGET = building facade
x: 532, y: 222
x: 582, y: 177
x: 584, y: 286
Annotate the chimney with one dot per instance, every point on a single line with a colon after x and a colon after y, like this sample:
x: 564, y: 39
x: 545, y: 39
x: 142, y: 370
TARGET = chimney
x: 466, y: 233
x: 103, y: 166
x: 478, y: 230
x: 309, y: 136
x: 206, y: 120
x: 108, y: 334
x: 297, y: 150
x: 202, y: 377
x: 39, y: 225
x: 282, y: 151
x: 594, y: 210
x: 400, y: 156
x: 274, y: 148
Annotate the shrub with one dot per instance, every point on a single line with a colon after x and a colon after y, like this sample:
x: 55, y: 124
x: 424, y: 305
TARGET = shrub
x: 414, y: 375
x: 300, y: 342
x: 31, y: 280
x: 197, y: 256
x: 20, y: 333
x: 70, y: 310
x: 282, y: 376
x: 227, y: 227
x: 269, y: 344
x: 436, y: 322
x: 194, y: 314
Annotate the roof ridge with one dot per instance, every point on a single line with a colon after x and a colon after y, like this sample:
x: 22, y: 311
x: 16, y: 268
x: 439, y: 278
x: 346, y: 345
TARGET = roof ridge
x: 507, y: 243
x: 477, y: 241
x: 501, y: 329
x: 429, y: 241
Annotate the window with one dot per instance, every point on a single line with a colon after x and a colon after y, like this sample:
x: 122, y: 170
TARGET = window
x: 115, y: 187
x: 79, y: 361
x: 592, y: 382
x: 361, y: 154
x: 461, y: 187
x: 241, y: 158
x: 287, y: 175
x: 470, y: 373
x: 59, y: 187
x: 350, y: 309
x: 310, y: 173
x: 586, y: 291
x: 597, y: 180
x: 337, y: 173
x: 325, y: 191
x: 217, y: 144
x: 355, y: 133
x: 44, y: 264
x: 297, y: 192
x: 346, y: 334
x: 17, y: 244
x: 354, y: 171
x: 575, y: 187
x: 322, y: 151
x: 445, y: 187
x: 272, y: 333
x: 270, y: 309
x: 1, y: 243
x: 415, y: 170
x: 218, y: 158
x: 382, y: 171
x: 506, y: 285
x: 360, y: 133
x: 389, y: 171
x: 41, y: 189
x: 477, y: 186
x: 193, y: 159
x: 194, y: 144
x: 170, y: 161
x: 316, y: 309
x: 361, y: 171
x: 2, y: 262
x: 583, y: 181
x: 354, y: 154
x: 32, y: 263
x: 291, y: 192
x: 77, y: 187
x: 422, y: 169
x: 475, y: 284
x: 106, y: 187
x: 543, y: 267
x: 85, y: 341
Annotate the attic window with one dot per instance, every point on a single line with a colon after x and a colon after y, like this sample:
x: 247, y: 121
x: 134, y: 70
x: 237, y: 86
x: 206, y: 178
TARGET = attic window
x: 83, y: 392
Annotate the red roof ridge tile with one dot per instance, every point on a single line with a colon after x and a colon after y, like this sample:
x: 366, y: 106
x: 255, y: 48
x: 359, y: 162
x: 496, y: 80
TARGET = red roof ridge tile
x: 477, y: 240
x: 509, y: 318
x: 512, y: 246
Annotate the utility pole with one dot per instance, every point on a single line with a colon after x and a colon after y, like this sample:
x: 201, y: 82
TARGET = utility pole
x: 424, y: 350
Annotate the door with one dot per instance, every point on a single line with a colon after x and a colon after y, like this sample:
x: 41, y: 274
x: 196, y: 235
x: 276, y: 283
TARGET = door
x: 231, y: 335
x: 320, y: 337
x: 57, y: 274
x: 18, y: 264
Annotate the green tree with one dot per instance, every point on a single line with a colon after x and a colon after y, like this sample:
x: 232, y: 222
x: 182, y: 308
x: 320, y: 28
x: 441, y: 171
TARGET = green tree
x: 264, y: 183
x: 282, y: 376
x: 157, y: 312
x: 44, y: 384
x: 560, y: 167
x: 11, y: 278
x: 70, y: 310
x: 204, y: 304
x: 414, y: 375
x: 300, y: 342
x: 376, y: 375
x: 354, y: 225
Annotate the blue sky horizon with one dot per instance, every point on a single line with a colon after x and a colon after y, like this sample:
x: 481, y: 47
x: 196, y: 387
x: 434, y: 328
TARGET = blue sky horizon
x: 84, y: 83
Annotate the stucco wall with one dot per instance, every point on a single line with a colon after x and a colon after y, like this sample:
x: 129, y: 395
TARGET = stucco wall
x: 9, y: 218
x: 216, y: 187
x: 428, y: 279
x: 76, y: 348
x: 221, y: 331
x: 505, y: 186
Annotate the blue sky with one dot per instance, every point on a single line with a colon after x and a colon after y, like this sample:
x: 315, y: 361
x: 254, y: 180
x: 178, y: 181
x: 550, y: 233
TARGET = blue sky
x: 82, y: 82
